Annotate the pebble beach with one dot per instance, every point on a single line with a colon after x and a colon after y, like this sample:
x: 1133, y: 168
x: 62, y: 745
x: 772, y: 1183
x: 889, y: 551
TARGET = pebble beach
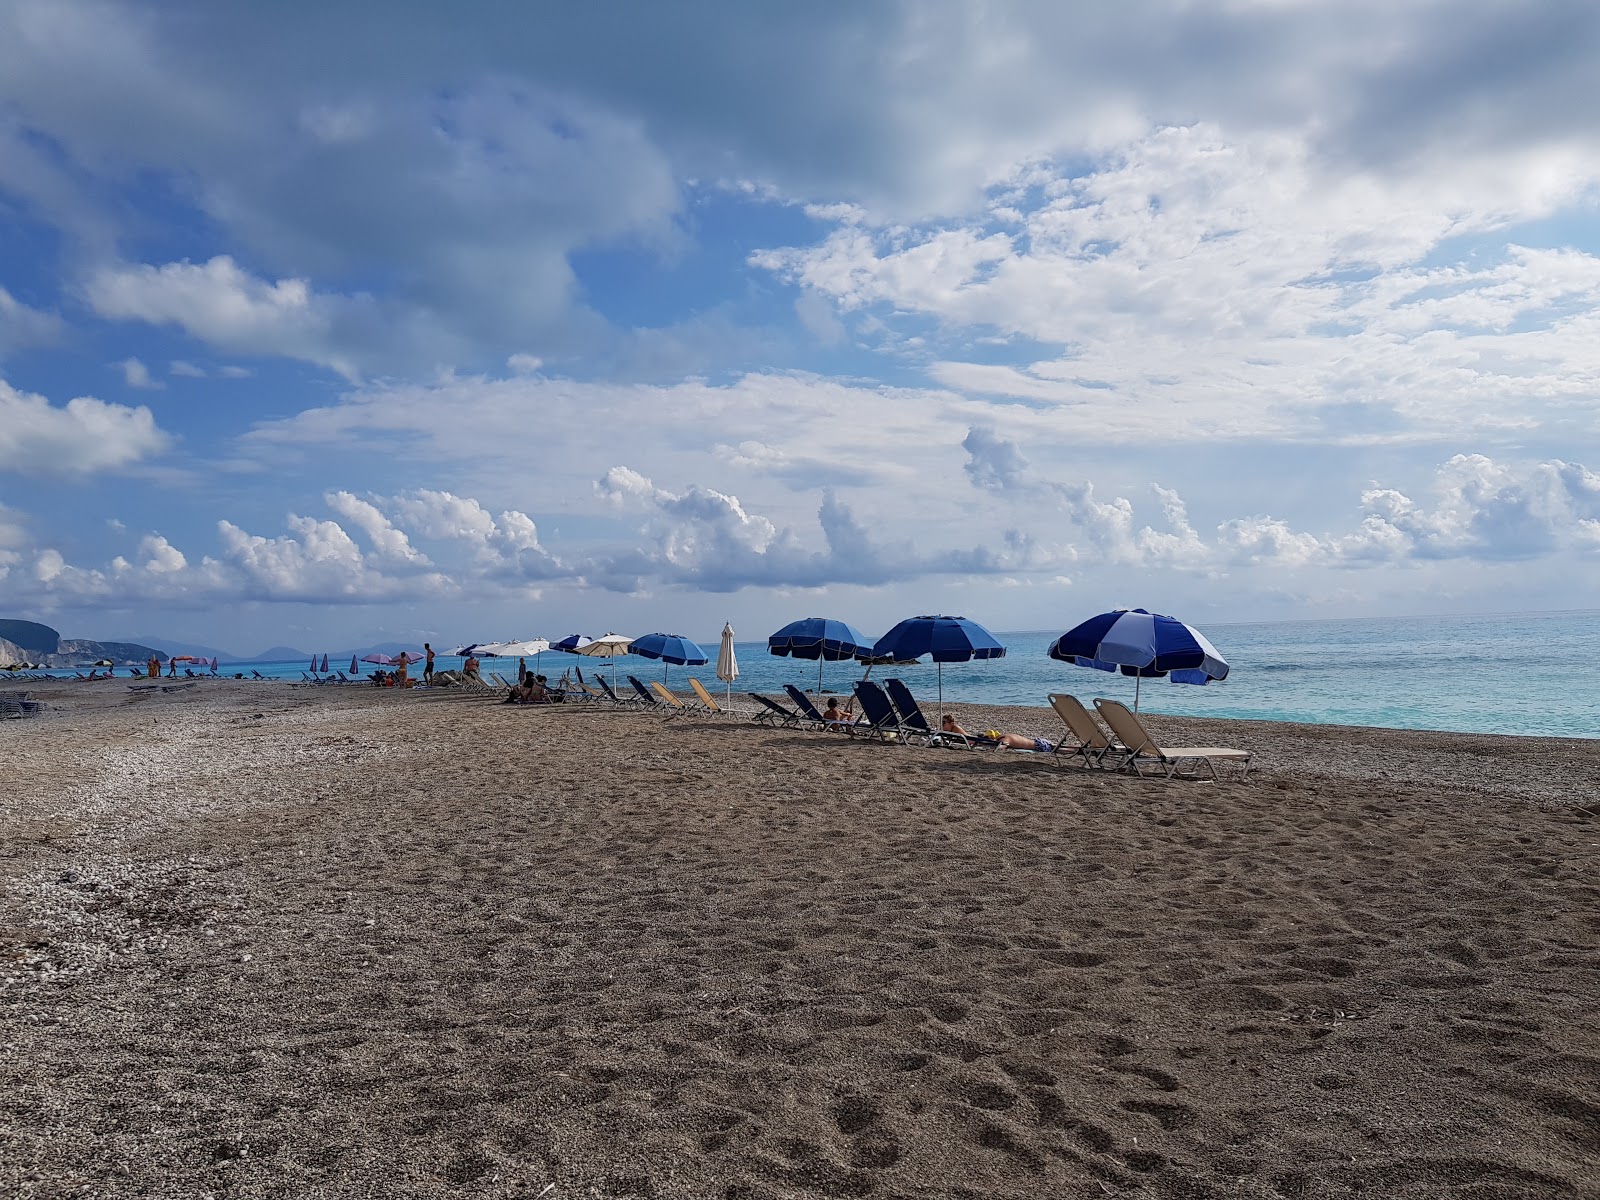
x: 261, y: 940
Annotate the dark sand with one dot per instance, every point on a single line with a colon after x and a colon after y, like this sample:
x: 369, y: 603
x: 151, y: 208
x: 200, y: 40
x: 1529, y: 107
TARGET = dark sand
x: 263, y: 940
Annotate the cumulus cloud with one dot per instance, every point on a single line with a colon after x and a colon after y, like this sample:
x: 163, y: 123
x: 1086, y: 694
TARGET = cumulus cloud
x: 709, y: 540
x: 84, y: 435
x: 1483, y: 511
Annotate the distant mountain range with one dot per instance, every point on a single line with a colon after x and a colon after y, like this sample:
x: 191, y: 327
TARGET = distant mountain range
x: 274, y: 653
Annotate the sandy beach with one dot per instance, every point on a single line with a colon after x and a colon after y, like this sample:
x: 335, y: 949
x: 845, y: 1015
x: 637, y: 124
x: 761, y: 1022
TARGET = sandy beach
x: 272, y: 941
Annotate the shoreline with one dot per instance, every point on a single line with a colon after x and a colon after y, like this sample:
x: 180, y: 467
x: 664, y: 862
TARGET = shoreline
x: 267, y: 941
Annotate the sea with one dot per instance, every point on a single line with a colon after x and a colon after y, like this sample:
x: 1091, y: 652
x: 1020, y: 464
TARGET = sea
x: 1530, y: 673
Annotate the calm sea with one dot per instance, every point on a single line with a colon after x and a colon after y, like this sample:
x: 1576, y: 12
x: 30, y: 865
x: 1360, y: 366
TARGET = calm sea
x: 1529, y: 674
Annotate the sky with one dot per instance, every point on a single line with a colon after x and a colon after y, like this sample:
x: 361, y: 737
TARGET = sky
x: 334, y: 323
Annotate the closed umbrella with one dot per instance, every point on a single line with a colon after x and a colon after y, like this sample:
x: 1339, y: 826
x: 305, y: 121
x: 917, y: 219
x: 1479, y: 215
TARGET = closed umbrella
x: 669, y: 648
x: 324, y: 664
x: 728, y: 662
x: 355, y: 668
x: 821, y: 638
x: 944, y: 639
x: 1142, y: 644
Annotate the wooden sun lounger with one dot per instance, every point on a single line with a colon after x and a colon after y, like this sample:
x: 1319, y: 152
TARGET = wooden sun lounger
x: 1141, y: 747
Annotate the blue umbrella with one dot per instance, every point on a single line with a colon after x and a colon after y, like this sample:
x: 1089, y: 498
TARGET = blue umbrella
x: 946, y: 639
x: 571, y: 643
x: 1142, y: 644
x: 820, y: 638
x: 669, y: 648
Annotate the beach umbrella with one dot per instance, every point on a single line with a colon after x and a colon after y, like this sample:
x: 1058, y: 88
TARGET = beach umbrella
x: 313, y: 667
x: 1142, y: 644
x: 213, y: 663
x: 944, y: 639
x: 381, y: 660
x: 608, y: 646
x: 355, y: 667
x: 324, y: 664
x: 102, y: 662
x: 669, y: 648
x: 728, y: 662
x: 821, y: 638
x: 572, y: 643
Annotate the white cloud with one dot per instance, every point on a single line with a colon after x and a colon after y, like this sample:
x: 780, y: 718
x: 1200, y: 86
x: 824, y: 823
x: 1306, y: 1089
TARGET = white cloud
x: 185, y: 370
x: 84, y: 435
x: 136, y: 375
x: 387, y: 541
x: 224, y: 305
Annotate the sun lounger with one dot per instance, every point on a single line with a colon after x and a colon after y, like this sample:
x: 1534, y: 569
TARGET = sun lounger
x: 611, y: 695
x: 804, y: 706
x: 773, y: 713
x: 1141, y: 747
x: 880, y: 720
x: 675, y: 707
x: 912, y: 719
x: 710, y: 703
x: 1092, y: 743
x: 645, y: 697
x: 16, y: 706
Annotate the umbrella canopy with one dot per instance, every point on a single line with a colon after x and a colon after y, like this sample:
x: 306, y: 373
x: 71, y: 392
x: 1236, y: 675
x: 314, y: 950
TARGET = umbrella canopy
x: 944, y: 639
x: 572, y: 643
x: 354, y: 669
x: 381, y: 660
x: 1142, y: 644
x: 510, y: 649
x: 102, y: 662
x: 324, y: 664
x: 727, y: 661
x: 669, y: 648
x: 608, y: 646
x: 821, y: 638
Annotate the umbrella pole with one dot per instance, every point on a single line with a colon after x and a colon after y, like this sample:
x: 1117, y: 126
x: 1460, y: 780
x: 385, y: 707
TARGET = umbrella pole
x: 941, y: 695
x: 819, y: 674
x: 1137, y: 680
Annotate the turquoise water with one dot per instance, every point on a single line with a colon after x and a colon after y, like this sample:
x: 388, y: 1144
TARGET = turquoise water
x: 1528, y: 674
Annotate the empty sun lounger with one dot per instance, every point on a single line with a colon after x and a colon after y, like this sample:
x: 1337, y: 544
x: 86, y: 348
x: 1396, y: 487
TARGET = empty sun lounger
x: 646, y: 698
x: 1092, y: 745
x: 770, y: 712
x: 710, y: 703
x: 804, y: 706
x: 1142, y: 748
x: 880, y: 720
x: 674, y: 705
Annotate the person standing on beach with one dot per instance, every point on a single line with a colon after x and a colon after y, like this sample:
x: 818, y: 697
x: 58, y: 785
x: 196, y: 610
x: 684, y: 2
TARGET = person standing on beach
x: 153, y: 667
x: 427, y: 666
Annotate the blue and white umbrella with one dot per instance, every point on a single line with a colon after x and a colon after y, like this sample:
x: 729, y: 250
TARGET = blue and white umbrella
x: 944, y: 639
x: 572, y: 643
x: 1142, y: 644
x: 821, y: 638
x: 669, y: 648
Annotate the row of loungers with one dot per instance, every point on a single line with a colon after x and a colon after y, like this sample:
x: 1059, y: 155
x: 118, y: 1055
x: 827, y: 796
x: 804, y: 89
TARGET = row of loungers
x: 890, y: 713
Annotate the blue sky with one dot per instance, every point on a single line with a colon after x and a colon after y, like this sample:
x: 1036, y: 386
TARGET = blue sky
x: 342, y: 323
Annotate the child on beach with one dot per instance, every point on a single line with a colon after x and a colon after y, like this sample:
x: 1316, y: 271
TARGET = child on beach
x: 835, y: 715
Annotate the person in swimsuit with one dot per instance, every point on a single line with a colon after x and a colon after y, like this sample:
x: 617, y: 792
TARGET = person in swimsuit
x: 1011, y: 741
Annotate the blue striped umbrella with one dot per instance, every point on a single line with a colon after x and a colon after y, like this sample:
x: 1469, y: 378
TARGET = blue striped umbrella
x: 1142, y: 644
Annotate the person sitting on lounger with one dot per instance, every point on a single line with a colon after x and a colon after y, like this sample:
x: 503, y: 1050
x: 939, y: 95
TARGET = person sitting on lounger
x: 531, y: 690
x: 834, y: 715
x: 1011, y: 741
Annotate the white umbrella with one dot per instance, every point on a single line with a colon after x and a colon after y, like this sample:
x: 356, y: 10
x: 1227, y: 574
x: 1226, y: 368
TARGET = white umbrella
x: 609, y: 646
x: 727, y: 661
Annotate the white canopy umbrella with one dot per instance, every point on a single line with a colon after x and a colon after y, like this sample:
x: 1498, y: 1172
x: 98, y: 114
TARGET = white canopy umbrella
x: 727, y: 661
x: 609, y: 646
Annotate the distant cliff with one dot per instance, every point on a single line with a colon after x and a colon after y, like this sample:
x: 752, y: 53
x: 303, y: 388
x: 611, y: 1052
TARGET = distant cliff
x: 28, y: 641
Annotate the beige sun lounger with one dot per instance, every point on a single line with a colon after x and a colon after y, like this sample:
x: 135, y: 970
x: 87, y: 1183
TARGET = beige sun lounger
x: 675, y: 707
x: 1141, y: 747
x: 711, y: 704
x: 1093, y: 745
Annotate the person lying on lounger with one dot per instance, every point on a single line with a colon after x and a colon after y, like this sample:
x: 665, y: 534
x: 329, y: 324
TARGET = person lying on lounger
x: 531, y: 690
x: 1011, y: 741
